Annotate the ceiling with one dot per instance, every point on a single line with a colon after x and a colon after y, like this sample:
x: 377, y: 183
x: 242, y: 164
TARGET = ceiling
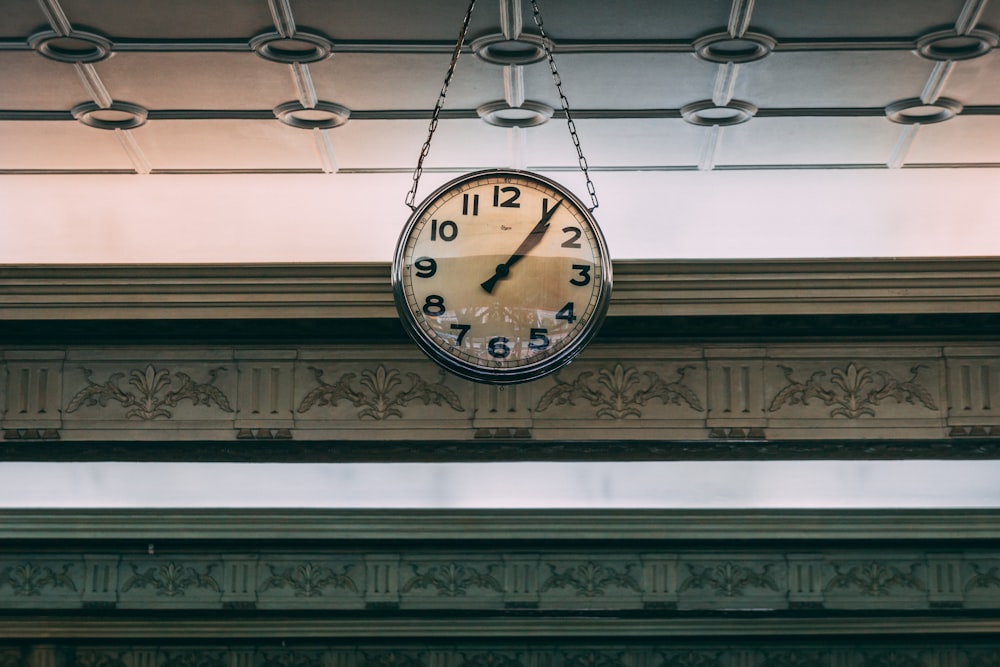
x: 99, y: 93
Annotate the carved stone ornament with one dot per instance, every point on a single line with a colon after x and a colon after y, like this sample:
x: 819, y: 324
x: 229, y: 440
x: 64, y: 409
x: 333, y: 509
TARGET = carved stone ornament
x: 619, y: 393
x: 692, y: 659
x: 875, y: 578
x: 153, y: 392
x: 854, y: 391
x: 30, y: 579
x: 309, y: 579
x: 589, y: 579
x: 452, y: 579
x: 728, y: 579
x: 171, y: 579
x: 381, y: 394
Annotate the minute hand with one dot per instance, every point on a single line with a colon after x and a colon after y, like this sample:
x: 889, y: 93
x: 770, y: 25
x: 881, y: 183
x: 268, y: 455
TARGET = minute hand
x: 534, y: 238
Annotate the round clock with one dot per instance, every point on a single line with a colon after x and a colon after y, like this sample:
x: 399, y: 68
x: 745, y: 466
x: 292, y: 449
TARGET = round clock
x: 501, y: 276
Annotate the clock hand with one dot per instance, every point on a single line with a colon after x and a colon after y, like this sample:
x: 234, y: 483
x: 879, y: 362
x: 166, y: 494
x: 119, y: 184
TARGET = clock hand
x: 534, y: 238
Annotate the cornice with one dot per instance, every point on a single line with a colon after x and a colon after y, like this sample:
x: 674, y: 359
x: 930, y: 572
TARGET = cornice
x: 272, y: 525
x: 642, y: 289
x: 567, y: 628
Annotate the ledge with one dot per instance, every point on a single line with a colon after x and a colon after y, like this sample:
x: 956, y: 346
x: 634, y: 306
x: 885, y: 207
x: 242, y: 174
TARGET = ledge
x: 500, y: 525
x: 642, y: 289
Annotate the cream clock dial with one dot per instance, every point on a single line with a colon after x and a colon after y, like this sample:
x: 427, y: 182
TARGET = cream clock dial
x: 501, y: 276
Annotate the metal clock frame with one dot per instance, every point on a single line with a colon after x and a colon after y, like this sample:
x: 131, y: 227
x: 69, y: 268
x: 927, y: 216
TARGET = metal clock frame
x: 480, y: 372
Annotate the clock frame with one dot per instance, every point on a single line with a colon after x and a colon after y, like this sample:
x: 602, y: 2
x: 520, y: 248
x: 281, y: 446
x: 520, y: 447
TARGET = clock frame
x: 501, y: 276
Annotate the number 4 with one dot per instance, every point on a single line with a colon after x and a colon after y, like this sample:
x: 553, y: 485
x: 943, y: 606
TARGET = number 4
x: 566, y: 313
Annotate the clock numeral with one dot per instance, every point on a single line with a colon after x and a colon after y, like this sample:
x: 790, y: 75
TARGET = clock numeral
x: 426, y: 267
x: 539, y: 335
x: 584, y: 278
x: 447, y: 230
x: 575, y: 235
x: 434, y: 305
x: 498, y: 347
x: 566, y: 313
x: 511, y: 201
x: 465, y: 204
x: 462, y: 329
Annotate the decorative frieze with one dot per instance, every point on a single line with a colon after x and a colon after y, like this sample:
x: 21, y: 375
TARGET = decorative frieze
x: 612, y: 581
x: 763, y: 653
x: 650, y: 393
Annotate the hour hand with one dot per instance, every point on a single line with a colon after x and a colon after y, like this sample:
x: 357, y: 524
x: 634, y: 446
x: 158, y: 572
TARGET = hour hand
x: 534, y: 238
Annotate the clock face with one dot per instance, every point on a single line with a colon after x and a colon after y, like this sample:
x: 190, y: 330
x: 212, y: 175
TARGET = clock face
x: 501, y: 276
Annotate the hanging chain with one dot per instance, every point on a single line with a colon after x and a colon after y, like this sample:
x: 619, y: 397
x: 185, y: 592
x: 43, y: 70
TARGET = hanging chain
x: 565, y: 105
x: 412, y: 194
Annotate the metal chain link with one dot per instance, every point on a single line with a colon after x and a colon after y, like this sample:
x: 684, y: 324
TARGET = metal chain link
x: 565, y: 105
x: 412, y: 194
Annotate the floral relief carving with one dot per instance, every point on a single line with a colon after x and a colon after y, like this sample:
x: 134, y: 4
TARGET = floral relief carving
x: 619, y: 393
x: 988, y: 578
x: 728, y: 579
x: 291, y: 659
x: 28, y: 579
x: 309, y: 579
x: 392, y: 659
x: 792, y: 659
x: 986, y: 658
x: 195, y: 659
x: 875, y: 579
x: 892, y: 659
x: 589, y: 579
x: 171, y: 579
x: 153, y: 392
x: 594, y: 659
x: 490, y: 660
x: 97, y: 659
x: 452, y: 579
x: 853, y: 392
x: 382, y: 395
x: 692, y: 659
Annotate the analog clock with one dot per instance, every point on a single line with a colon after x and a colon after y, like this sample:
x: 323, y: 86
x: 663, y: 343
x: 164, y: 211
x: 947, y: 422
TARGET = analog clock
x: 501, y: 276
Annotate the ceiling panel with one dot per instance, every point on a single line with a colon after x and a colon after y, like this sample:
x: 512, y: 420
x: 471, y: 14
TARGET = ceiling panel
x: 966, y: 138
x: 226, y: 144
x: 976, y: 82
x: 19, y: 18
x: 373, y: 144
x: 809, y: 141
x: 197, y: 80
x: 629, y: 80
x: 185, y: 19
x: 438, y: 20
x: 676, y: 20
x: 840, y: 79
x: 29, y: 145
x: 30, y: 82
x: 404, y: 81
x: 641, y: 142
x: 852, y: 18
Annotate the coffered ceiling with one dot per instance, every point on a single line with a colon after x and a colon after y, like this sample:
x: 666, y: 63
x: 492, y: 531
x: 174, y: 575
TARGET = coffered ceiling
x: 344, y: 89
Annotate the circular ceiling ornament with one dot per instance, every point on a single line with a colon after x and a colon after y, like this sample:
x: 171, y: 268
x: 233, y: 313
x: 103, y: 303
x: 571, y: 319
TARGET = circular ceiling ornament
x: 915, y: 110
x: 76, y: 47
x: 501, y: 114
x: 709, y: 113
x: 118, y: 116
x: 302, y: 47
x: 721, y: 47
x: 322, y: 116
x: 498, y: 50
x: 952, y: 45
